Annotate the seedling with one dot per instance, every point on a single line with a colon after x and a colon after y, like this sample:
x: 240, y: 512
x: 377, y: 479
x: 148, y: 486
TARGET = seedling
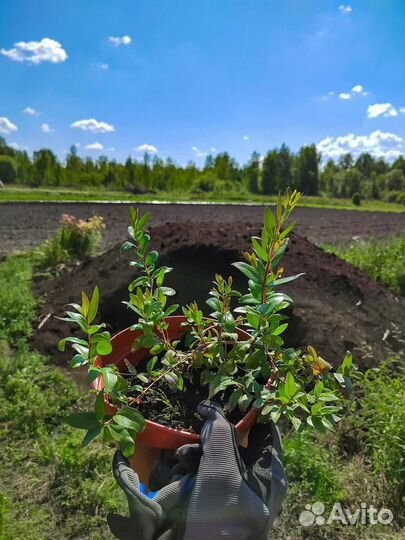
x: 259, y: 372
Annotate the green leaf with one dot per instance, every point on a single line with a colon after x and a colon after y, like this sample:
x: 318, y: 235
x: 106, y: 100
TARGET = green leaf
x: 269, y: 222
x: 93, y: 308
x: 126, y: 246
x: 127, y: 447
x: 260, y: 251
x: 247, y: 270
x: 235, y: 397
x: 244, y: 402
x: 130, y: 418
x: 290, y: 386
x: 85, y: 304
x: 99, y: 406
x: 280, y: 329
x: 171, y: 309
x: 91, y: 434
x: 168, y: 291
x: 296, y: 422
x: 110, y: 379
x: 151, y: 258
x: 171, y: 378
x: 78, y: 360
x: 62, y: 342
x: 267, y: 409
x: 214, y: 304
x: 287, y: 231
x: 84, y: 420
x: 142, y: 377
x: 318, y: 388
x: 281, y: 281
x: 103, y: 347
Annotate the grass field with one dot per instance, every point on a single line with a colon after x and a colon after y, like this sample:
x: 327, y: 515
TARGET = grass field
x: 24, y: 194
x: 382, y: 260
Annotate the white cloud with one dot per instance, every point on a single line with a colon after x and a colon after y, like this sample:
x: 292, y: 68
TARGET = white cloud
x: 110, y: 149
x: 94, y: 146
x: 402, y: 110
x: 213, y: 150
x: 357, y: 89
x: 118, y: 41
x: 378, y: 143
x: 6, y: 126
x: 104, y: 66
x: 381, y: 109
x: 31, y: 111
x: 93, y: 125
x: 46, y: 128
x: 245, y: 137
x: 36, y: 52
x: 345, y: 9
x: 199, y: 153
x: 147, y: 148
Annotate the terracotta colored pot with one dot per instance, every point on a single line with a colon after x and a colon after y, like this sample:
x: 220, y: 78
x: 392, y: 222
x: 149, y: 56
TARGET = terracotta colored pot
x: 156, y: 437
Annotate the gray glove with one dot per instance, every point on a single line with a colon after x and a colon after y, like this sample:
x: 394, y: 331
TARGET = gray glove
x: 235, y: 493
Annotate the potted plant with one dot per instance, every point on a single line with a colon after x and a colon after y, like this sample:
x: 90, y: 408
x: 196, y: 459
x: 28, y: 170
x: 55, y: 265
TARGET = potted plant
x: 149, y: 378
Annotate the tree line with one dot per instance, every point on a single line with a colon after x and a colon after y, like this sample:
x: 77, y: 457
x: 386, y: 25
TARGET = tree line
x: 365, y: 177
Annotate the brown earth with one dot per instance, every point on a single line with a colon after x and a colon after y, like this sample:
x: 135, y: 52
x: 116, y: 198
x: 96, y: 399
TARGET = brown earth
x: 336, y: 306
x: 25, y: 225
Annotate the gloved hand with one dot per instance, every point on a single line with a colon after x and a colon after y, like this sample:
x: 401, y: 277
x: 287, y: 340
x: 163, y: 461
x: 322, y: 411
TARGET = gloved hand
x: 235, y: 493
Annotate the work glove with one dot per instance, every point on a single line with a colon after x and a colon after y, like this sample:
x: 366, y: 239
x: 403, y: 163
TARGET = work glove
x: 213, y: 491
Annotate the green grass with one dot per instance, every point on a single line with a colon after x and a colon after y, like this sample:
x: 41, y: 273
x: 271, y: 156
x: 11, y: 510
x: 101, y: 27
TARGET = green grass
x: 382, y: 260
x: 50, y: 488
x: 25, y: 194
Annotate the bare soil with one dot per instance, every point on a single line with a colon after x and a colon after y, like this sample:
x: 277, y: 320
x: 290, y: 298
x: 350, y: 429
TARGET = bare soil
x: 337, y: 308
x: 25, y: 225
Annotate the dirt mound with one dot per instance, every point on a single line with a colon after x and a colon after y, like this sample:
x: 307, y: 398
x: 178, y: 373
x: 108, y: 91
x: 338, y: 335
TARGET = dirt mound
x: 337, y: 308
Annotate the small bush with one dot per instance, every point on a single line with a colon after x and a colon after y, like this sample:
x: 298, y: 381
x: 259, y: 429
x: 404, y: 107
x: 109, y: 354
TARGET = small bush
x: 77, y: 239
x: 205, y: 183
x: 356, y: 199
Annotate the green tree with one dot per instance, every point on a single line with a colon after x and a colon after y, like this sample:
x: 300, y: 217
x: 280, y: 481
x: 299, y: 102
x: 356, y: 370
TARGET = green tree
x: 252, y: 173
x: 270, y: 173
x: 308, y: 170
x: 44, y: 172
x: 8, y: 169
x: 395, y: 180
x: 365, y: 164
x: 284, y: 168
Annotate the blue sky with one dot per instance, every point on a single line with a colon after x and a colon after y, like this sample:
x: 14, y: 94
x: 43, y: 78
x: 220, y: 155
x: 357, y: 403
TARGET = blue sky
x: 188, y: 77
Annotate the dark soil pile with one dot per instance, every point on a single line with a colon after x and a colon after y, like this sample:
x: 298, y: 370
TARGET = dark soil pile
x: 337, y: 308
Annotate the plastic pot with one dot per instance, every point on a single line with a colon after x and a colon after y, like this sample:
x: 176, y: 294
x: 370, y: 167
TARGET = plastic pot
x: 156, y: 437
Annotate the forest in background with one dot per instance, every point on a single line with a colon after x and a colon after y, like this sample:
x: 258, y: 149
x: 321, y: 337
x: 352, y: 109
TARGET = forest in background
x: 366, y: 177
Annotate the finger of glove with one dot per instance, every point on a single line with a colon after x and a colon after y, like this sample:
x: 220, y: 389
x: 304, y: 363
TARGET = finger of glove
x: 140, y: 507
x: 218, y: 441
x: 124, y: 528
x: 189, y: 455
x: 160, y: 475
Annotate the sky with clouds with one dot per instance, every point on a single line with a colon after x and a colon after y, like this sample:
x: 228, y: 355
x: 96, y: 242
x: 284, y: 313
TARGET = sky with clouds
x: 184, y: 78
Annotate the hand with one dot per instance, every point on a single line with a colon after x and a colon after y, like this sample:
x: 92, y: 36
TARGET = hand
x: 235, y: 493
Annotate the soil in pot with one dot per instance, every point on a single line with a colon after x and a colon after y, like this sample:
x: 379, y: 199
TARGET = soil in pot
x: 178, y: 409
